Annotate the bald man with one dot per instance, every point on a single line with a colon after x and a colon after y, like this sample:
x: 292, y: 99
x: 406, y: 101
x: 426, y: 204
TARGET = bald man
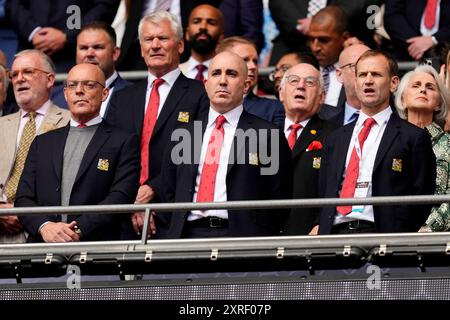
x: 345, y: 74
x: 229, y: 166
x: 88, y: 162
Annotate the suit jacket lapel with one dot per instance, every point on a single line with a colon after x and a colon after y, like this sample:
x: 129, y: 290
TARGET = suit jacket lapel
x: 58, y: 152
x: 51, y: 120
x: 306, y: 137
x: 9, y: 138
x: 176, y: 93
x: 138, y: 100
x: 244, y: 124
x: 342, y: 149
x: 98, y: 140
x: 389, y: 135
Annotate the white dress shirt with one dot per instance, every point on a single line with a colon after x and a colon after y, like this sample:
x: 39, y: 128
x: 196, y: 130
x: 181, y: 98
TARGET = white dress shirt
x: 92, y: 122
x: 107, y: 84
x: 287, y: 127
x: 367, y: 162
x: 164, y: 89
x: 334, y: 89
x: 191, y: 68
x: 220, y: 189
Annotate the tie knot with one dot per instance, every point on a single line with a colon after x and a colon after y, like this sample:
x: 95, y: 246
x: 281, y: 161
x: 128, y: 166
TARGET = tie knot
x: 295, y: 126
x: 157, y: 82
x: 369, y: 122
x: 32, y: 115
x: 201, y: 67
x: 82, y: 125
x: 220, y: 121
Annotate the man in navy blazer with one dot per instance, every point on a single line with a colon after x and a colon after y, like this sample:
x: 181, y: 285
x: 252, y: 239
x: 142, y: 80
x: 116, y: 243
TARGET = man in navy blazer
x: 88, y: 162
x: 96, y: 44
x: 181, y: 99
x: 268, y: 109
x: 395, y: 159
x: 404, y: 21
x: 50, y: 26
x: 242, y: 171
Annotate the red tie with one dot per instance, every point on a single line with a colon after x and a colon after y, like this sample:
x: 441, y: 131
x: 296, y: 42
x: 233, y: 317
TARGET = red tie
x: 293, y: 134
x: 200, y: 69
x: 211, y: 163
x: 430, y: 14
x: 81, y: 125
x: 352, y: 173
x: 149, y: 124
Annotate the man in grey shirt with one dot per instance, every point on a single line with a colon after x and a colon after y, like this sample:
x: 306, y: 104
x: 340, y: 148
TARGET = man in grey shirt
x: 85, y: 163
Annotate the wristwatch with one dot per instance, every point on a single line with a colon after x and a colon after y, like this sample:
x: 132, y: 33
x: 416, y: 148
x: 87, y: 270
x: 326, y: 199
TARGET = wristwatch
x: 77, y: 230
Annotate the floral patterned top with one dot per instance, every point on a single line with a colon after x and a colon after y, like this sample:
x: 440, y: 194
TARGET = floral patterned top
x: 439, y: 219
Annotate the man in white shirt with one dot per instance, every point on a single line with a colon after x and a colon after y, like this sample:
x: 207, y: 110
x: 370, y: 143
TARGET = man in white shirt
x: 227, y: 168
x: 379, y: 155
x: 204, y: 31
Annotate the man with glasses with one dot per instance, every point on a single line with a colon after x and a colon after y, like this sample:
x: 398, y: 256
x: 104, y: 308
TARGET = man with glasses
x: 287, y: 61
x: 87, y: 162
x: 32, y: 76
x: 345, y: 74
x: 301, y: 92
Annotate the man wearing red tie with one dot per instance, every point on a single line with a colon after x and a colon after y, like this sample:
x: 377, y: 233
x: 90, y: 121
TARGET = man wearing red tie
x: 301, y: 92
x: 415, y: 27
x: 153, y: 108
x: 378, y: 155
x: 228, y: 168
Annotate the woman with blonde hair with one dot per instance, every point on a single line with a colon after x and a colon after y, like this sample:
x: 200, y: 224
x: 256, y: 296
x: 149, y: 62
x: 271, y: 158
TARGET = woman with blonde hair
x: 423, y: 100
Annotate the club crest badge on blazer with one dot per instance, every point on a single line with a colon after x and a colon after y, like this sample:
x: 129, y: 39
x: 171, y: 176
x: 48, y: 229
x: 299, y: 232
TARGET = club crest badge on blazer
x: 253, y: 159
x: 397, y: 165
x: 103, y: 164
x: 316, y: 162
x: 183, y: 117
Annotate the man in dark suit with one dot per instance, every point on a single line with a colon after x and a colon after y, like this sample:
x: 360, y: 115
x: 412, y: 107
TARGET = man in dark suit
x: 415, y: 27
x: 153, y: 108
x: 301, y: 92
x: 131, y: 51
x: 88, y: 162
x: 268, y: 109
x: 244, y: 18
x: 378, y: 155
x: 96, y: 44
x: 46, y: 24
x: 230, y: 164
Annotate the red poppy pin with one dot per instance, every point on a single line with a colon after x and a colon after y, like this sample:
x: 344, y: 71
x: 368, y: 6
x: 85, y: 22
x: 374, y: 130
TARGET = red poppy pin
x: 315, y: 145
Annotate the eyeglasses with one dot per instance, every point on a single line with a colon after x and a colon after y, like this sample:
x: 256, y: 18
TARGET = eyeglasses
x: 27, y: 73
x: 351, y: 65
x: 283, y: 68
x: 86, y: 85
x: 294, y: 80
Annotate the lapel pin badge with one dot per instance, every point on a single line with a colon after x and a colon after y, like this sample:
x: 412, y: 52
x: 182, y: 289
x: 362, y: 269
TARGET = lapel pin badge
x: 183, y: 117
x: 103, y: 164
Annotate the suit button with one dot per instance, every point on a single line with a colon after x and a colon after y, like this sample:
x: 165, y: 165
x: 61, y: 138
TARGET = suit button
x: 57, y: 189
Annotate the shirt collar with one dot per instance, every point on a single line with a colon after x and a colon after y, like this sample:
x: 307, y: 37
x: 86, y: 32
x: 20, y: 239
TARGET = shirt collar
x: 41, y: 111
x: 231, y: 116
x: 349, y: 111
x: 91, y: 122
x: 380, y: 118
x: 111, y: 79
x: 170, y: 77
x: 192, y: 64
x: 288, y: 122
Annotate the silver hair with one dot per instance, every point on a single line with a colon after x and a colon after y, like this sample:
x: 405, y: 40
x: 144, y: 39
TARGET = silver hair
x: 46, y: 61
x: 438, y: 117
x: 287, y: 74
x: 156, y: 17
